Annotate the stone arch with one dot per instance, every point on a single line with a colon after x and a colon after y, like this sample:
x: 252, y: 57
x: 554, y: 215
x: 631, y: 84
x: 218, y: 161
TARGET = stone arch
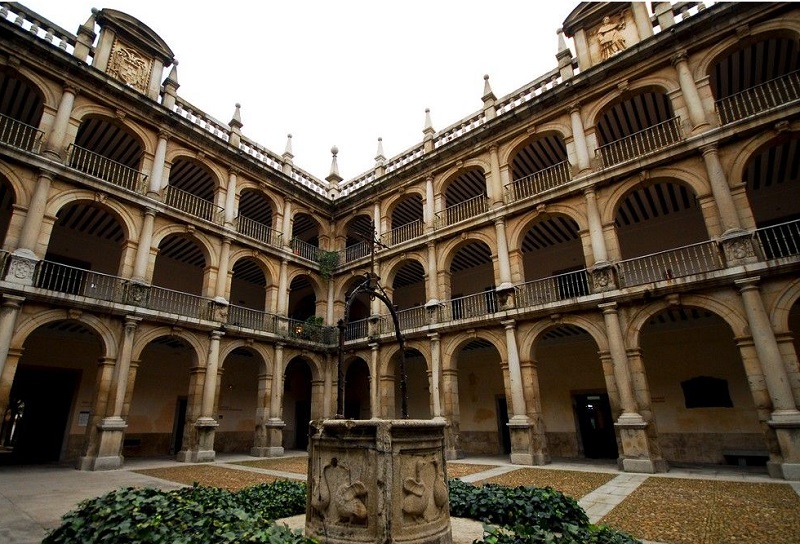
x: 391, y: 203
x: 448, y: 250
x: 314, y: 361
x: 202, y: 240
x: 84, y: 112
x: 452, y: 344
x: 390, y: 268
x: 733, y: 316
x: 45, y: 87
x: 510, y: 149
x: 22, y: 190
x: 260, y: 349
x: 217, y: 174
x: 780, y: 308
x: 121, y: 213
x: 696, y: 184
x: 100, y: 327
x: 655, y: 84
x: 519, y: 229
x: 528, y: 336
x: 319, y: 290
x: 144, y: 338
x: 440, y: 185
x: 389, y: 351
x: 266, y: 265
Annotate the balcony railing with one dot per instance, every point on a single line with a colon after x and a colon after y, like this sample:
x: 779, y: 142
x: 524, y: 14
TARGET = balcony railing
x: 356, y: 329
x: 410, y: 318
x: 193, y: 205
x: 403, y: 233
x: 258, y: 231
x: 20, y: 135
x: 641, y: 143
x: 539, y: 182
x: 176, y: 302
x: 76, y: 281
x: 673, y: 263
x: 239, y: 316
x: 302, y: 330
x: 475, y: 305
x: 357, y: 251
x: 462, y: 211
x: 760, y: 98
x: 101, y: 167
x: 781, y: 240
x: 552, y: 289
x: 304, y: 249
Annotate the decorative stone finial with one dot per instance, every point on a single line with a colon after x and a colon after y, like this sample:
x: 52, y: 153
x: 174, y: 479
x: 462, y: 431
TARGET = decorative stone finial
x: 379, y: 158
x: 288, y: 151
x: 428, y: 125
x: 334, y: 166
x: 487, y: 89
x: 562, y: 42
x: 236, y: 121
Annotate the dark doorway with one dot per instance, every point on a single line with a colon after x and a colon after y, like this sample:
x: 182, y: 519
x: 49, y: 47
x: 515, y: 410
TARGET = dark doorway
x: 596, y: 426
x: 502, y: 425
x: 302, y: 415
x: 41, y: 400
x: 178, y: 426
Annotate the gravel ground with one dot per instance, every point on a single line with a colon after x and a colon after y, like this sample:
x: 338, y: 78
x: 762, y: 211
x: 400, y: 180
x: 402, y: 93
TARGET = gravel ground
x: 209, y: 475
x: 576, y: 484
x: 298, y: 465
x: 680, y: 511
x: 459, y: 470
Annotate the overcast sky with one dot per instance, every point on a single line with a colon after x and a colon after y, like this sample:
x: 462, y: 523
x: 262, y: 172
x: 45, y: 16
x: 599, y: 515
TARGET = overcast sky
x: 342, y: 73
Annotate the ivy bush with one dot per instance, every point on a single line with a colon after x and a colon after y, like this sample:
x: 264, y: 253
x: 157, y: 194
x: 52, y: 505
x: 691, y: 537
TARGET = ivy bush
x: 529, y: 515
x: 188, y: 515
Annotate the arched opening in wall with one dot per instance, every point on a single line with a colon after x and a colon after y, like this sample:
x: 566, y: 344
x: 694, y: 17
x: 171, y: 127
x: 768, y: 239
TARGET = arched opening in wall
x: 238, y: 401
x: 701, y: 399
x: 408, y: 286
x: 86, y: 238
x: 296, y: 404
x: 180, y: 266
x: 758, y: 75
x: 464, y: 198
x: 360, y: 236
x: 406, y: 220
x: 772, y: 180
x: 662, y: 234
x: 49, y: 413
x: 636, y: 126
x: 248, y: 288
x: 482, y: 404
x: 256, y: 216
x: 553, y: 262
x: 302, y: 299
x: 538, y: 166
x: 357, y: 390
x: 21, y: 108
x: 191, y: 189
x: 305, y: 236
x: 6, y: 209
x: 417, y: 386
x: 105, y: 149
x: 165, y: 402
x: 576, y: 407
x: 472, y: 281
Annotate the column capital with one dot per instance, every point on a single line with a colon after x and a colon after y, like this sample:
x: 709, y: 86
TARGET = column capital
x: 574, y: 107
x: 589, y: 191
x: 216, y: 335
x: 70, y: 88
x: 709, y: 149
x: 679, y: 57
x: 132, y: 321
x: 434, y: 336
x: 12, y: 301
x: 608, y: 307
x: 164, y: 134
x: 747, y: 284
x: 509, y: 324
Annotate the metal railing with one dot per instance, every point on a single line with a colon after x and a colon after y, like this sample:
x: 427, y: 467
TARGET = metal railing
x: 193, y: 204
x: 18, y: 134
x: 356, y: 251
x: 641, y: 143
x: 462, y: 211
x: 403, y: 233
x: 552, y: 289
x: 303, y: 330
x: 782, y: 240
x: 258, y: 231
x: 77, y: 281
x: 673, y: 263
x: 176, y: 302
x: 356, y: 329
x: 101, y: 167
x: 304, y: 249
x: 758, y: 99
x: 239, y: 316
x: 474, y: 305
x: 539, y: 182
x: 410, y: 318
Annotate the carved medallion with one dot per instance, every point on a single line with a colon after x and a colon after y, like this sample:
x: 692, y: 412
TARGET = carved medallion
x: 129, y: 66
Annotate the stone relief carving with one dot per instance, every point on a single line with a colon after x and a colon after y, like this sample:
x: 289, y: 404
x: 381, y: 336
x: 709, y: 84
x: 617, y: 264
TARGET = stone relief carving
x: 338, y: 498
x: 610, y: 38
x: 424, y: 493
x: 738, y: 249
x: 22, y: 269
x: 603, y: 279
x: 130, y: 67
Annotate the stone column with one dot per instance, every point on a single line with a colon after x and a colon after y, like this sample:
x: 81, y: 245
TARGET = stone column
x: 58, y: 132
x: 641, y: 17
x: 283, y: 288
x: 143, y: 249
x: 376, y: 220
x: 430, y: 211
x: 729, y: 219
x: 31, y: 228
x: 636, y: 451
x: 519, y: 425
x: 689, y: 90
x: 259, y: 448
x: 374, y: 394
x: 595, y: 227
x: 206, y: 425
x: 327, y: 393
x: 504, y: 263
x: 220, y: 289
x: 157, y: 172
x: 230, y: 198
x: 8, y: 320
x: 112, y: 427
x: 495, y: 185
x: 579, y: 138
x: 99, y: 407
x: 275, y: 425
x: 436, y: 373
x: 530, y: 380
x: 330, y: 303
x: 286, y: 224
x: 450, y: 411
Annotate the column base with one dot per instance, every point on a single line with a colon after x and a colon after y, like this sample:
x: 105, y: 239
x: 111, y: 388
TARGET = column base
x: 637, y: 454
x: 526, y: 447
x: 111, y: 433
x: 268, y: 451
x: 790, y: 471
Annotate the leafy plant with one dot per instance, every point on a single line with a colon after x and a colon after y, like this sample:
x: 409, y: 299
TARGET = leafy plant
x: 187, y: 515
x: 327, y: 261
x: 528, y: 515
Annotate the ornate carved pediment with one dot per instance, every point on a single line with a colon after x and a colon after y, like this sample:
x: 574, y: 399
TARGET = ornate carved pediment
x: 130, y: 66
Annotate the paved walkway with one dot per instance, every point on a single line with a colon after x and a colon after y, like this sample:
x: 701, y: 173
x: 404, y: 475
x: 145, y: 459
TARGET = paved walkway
x: 33, y: 498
